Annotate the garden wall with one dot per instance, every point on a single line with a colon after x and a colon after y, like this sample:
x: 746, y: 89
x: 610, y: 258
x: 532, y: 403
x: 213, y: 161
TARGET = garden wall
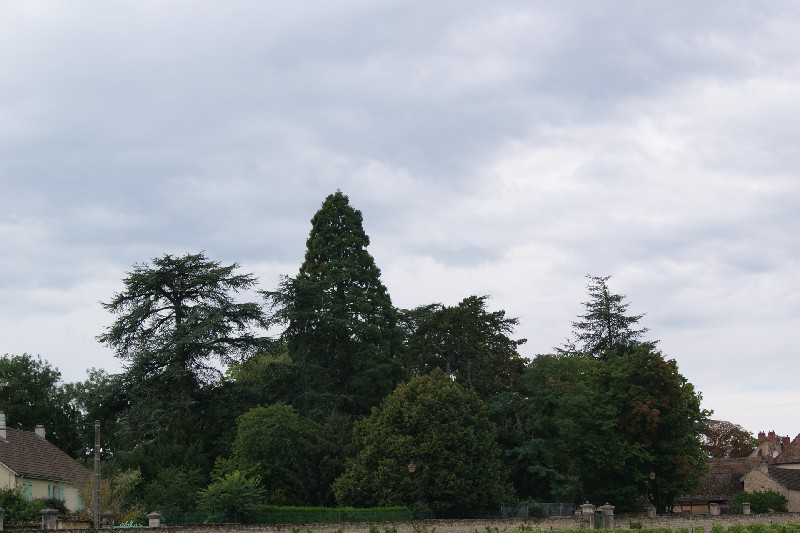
x: 672, y: 522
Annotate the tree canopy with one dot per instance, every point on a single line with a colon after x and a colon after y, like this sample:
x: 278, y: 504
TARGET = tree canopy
x: 323, y: 415
x: 604, y: 326
x: 178, y: 316
x: 443, y: 430
x: 31, y: 393
x: 341, y: 328
x: 722, y: 439
x: 467, y: 342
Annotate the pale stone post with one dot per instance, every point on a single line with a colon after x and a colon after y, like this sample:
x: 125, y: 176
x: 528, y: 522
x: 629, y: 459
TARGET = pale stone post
x: 713, y: 509
x: 651, y: 511
x: 49, y: 519
x: 154, y: 520
x: 745, y: 508
x: 587, y: 514
x: 2, y: 514
x: 608, y: 516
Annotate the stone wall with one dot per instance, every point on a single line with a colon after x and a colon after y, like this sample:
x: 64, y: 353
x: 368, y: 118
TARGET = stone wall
x: 673, y: 522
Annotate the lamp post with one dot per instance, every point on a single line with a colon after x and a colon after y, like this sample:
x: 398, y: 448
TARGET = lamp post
x: 412, y: 469
x: 654, y: 502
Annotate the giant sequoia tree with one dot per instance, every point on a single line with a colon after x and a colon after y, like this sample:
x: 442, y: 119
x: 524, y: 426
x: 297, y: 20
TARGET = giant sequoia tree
x: 341, y: 329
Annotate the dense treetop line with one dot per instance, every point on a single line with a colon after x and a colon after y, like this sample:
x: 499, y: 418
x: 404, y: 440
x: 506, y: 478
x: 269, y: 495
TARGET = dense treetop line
x: 359, y: 403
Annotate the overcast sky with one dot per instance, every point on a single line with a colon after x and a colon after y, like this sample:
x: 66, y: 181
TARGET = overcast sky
x: 502, y: 148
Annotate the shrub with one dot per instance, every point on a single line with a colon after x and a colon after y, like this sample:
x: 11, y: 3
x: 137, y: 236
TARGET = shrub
x: 57, y: 504
x: 18, y: 509
x: 232, y: 498
x: 760, y: 502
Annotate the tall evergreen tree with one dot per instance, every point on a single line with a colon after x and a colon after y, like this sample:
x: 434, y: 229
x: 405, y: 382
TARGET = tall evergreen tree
x: 178, y: 321
x: 341, y: 329
x: 605, y: 326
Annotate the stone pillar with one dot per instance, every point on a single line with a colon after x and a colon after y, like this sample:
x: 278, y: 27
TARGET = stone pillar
x: 2, y: 515
x: 651, y: 511
x: 745, y: 510
x: 608, y: 516
x: 49, y: 518
x: 107, y: 521
x: 154, y: 520
x: 587, y: 514
x: 713, y: 509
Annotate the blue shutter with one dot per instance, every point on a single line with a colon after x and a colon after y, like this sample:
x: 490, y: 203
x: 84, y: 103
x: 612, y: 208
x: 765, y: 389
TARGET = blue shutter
x: 27, y: 491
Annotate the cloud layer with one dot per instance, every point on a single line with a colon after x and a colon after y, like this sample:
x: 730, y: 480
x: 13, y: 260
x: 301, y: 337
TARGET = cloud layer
x: 506, y: 149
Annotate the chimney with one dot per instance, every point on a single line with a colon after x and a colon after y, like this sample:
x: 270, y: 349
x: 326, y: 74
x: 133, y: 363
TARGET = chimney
x: 40, y: 431
x: 2, y: 425
x: 761, y: 437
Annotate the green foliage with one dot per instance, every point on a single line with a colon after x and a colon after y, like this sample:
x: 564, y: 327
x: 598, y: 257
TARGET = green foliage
x: 175, y: 320
x: 18, y: 509
x: 32, y: 393
x: 274, y: 442
x: 232, y: 498
x: 561, y: 397
x: 466, y: 342
x: 99, y: 398
x: 441, y: 427
x: 605, y: 326
x: 760, y: 502
x: 341, y: 328
x: 118, y: 495
x: 173, y: 489
x: 633, y: 413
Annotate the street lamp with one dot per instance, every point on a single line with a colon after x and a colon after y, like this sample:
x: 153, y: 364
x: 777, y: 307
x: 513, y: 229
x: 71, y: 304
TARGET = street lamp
x: 651, y: 493
x: 411, y: 467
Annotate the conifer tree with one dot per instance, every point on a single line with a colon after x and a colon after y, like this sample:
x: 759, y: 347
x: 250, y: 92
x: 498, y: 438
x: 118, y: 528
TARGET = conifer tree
x: 341, y: 329
x: 605, y: 326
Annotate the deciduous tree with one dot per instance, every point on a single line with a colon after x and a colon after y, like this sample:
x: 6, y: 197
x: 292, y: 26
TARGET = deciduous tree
x: 467, y: 342
x: 273, y: 442
x: 440, y: 427
x: 31, y: 393
x: 723, y: 439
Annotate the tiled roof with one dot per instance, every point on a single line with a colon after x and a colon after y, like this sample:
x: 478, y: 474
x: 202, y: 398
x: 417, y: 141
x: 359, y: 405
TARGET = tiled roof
x: 790, y: 454
x: 788, y: 477
x: 28, y: 455
x: 723, y: 480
